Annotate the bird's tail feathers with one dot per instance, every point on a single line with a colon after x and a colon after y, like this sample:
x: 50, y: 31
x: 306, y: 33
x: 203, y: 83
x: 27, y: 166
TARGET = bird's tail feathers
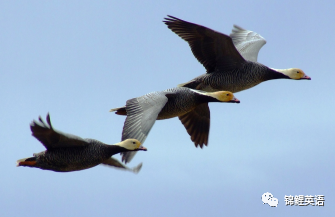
x: 29, y: 161
x: 193, y: 84
x: 119, y: 111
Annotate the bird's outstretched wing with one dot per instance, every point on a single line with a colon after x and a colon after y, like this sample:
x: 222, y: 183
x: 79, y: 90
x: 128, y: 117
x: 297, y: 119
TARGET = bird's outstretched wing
x: 52, y: 138
x: 197, y: 124
x: 142, y: 113
x: 214, y: 50
x: 115, y: 163
x: 247, y: 42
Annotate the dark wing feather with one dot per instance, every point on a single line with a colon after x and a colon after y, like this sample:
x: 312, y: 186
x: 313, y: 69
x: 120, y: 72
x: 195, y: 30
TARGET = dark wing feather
x: 197, y: 124
x: 142, y: 113
x: 214, y: 50
x: 115, y: 163
x: 52, y: 138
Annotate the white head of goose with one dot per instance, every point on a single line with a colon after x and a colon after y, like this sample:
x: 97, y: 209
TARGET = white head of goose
x: 220, y: 96
x: 227, y: 67
x: 66, y: 152
x: 131, y: 145
x: 294, y: 73
x: 190, y: 106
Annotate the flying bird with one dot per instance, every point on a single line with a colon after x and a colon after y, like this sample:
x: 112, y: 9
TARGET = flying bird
x: 230, y: 62
x: 181, y: 102
x: 66, y: 152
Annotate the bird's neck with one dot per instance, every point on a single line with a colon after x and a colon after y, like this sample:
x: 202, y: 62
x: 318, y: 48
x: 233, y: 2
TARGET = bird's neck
x: 116, y: 148
x: 204, y: 98
x: 284, y: 71
x: 276, y: 74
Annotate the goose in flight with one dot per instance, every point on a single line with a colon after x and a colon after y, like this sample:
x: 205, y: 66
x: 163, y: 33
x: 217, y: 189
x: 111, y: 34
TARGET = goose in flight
x: 227, y: 67
x: 66, y: 152
x: 181, y: 102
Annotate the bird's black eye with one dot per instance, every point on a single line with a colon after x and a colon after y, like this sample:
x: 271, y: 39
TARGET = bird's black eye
x: 297, y: 71
x: 134, y: 143
x: 227, y: 94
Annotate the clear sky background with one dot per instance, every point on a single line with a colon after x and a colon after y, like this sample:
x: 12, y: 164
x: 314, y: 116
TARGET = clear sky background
x: 78, y: 59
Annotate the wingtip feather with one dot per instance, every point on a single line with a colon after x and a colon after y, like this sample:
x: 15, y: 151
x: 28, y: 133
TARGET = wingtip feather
x: 137, y: 168
x: 49, y: 121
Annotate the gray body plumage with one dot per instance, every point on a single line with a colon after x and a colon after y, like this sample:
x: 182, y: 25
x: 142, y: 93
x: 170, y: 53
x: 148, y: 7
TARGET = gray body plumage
x: 67, y: 152
x: 142, y: 112
x: 226, y: 68
x: 181, y: 101
x: 247, y: 76
x: 76, y: 158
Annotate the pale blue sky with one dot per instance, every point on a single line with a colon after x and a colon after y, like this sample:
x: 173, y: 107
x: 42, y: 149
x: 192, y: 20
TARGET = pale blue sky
x: 78, y: 59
